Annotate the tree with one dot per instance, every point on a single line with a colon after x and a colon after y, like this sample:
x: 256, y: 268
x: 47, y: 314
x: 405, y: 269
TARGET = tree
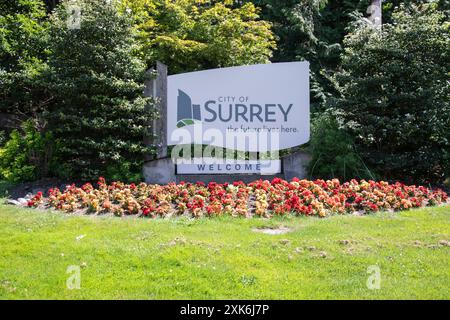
x: 100, y: 117
x: 22, y: 61
x: 190, y: 35
x: 394, y: 94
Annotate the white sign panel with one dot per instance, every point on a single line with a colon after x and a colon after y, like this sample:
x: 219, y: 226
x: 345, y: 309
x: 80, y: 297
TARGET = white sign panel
x: 253, y: 108
x: 218, y: 166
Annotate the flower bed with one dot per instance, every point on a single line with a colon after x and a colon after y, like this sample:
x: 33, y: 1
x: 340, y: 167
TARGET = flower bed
x: 259, y: 198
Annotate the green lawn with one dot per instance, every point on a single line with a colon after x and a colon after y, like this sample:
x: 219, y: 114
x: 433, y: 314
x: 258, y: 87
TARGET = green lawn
x: 222, y: 258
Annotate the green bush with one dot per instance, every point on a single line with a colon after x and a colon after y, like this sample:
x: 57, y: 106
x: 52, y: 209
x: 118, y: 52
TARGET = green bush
x: 22, y: 58
x: 125, y: 171
x: 27, y: 155
x: 333, y: 150
x: 394, y: 95
x: 100, y: 117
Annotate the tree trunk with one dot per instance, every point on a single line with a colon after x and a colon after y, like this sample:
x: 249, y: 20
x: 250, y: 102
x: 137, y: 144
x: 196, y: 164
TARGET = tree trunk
x: 375, y: 13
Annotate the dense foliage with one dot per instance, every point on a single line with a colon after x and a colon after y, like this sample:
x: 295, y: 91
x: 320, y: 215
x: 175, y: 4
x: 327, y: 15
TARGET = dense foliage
x: 260, y: 198
x: 394, y: 95
x: 379, y: 98
x: 27, y: 155
x: 100, y: 115
x: 333, y: 150
x: 190, y: 35
x: 22, y: 60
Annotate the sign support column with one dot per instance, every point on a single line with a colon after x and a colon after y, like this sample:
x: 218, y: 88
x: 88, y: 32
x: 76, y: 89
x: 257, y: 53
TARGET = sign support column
x: 156, y: 87
x: 158, y: 168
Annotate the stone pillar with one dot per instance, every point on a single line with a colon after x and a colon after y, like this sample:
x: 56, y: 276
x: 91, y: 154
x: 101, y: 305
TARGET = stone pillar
x: 158, y: 168
x: 295, y: 165
x: 159, y: 171
x: 156, y: 87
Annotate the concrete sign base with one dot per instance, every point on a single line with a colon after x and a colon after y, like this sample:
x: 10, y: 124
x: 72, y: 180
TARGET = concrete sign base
x: 163, y: 171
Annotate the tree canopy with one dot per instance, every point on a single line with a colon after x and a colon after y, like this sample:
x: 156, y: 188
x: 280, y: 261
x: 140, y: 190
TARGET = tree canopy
x: 193, y: 35
x: 394, y: 94
x: 22, y: 57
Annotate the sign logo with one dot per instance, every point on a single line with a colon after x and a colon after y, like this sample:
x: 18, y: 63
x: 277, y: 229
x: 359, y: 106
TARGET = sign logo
x: 187, y: 113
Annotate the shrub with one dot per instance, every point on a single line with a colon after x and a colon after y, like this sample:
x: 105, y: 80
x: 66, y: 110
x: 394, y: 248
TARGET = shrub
x: 333, y: 150
x: 27, y: 155
x: 394, y: 95
x: 100, y: 118
x: 125, y: 171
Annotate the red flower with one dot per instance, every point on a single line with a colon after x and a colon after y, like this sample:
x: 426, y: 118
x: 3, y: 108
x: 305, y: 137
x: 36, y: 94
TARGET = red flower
x: 261, y: 197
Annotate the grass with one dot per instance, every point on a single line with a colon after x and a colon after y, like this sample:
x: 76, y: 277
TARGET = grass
x: 222, y: 258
